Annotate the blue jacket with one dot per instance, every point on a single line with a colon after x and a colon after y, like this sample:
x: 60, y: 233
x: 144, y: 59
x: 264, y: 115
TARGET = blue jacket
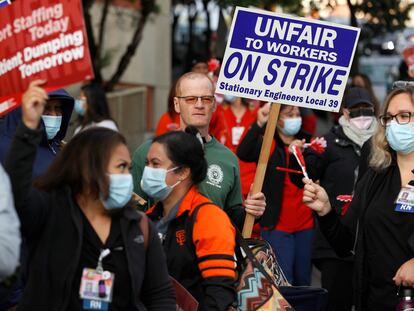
x: 47, y: 150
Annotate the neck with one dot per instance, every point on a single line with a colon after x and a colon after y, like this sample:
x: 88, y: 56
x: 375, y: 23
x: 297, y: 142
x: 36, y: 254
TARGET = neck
x: 285, y: 138
x: 178, y: 192
x: 92, y: 208
x: 406, y: 161
x: 203, y: 131
x: 238, y: 109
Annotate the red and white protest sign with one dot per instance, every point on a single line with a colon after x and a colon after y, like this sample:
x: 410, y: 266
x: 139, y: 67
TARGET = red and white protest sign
x: 41, y: 39
x: 408, y: 55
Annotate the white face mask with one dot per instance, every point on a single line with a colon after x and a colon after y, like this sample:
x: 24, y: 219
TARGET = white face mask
x: 362, y: 122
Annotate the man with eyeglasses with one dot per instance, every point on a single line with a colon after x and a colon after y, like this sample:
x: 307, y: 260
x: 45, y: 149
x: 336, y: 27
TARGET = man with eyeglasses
x: 195, y: 103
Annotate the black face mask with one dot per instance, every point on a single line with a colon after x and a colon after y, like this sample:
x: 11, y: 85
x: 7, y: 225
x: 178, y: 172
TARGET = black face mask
x: 363, y: 111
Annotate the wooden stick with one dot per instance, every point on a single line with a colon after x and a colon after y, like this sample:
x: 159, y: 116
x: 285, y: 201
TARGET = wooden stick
x: 262, y: 164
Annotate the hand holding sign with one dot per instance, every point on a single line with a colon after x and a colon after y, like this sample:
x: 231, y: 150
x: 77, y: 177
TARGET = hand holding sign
x: 255, y: 204
x: 33, y: 104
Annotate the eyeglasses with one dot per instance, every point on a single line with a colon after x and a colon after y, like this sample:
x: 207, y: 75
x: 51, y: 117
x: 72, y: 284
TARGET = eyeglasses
x: 191, y: 100
x: 401, y: 118
x: 363, y: 111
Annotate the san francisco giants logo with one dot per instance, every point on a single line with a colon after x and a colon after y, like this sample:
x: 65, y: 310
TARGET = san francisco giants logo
x: 180, y: 236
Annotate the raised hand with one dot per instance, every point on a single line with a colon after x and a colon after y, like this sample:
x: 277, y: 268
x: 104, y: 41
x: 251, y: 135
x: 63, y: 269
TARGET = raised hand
x: 33, y: 104
x: 315, y: 197
x: 298, y: 143
x: 263, y: 115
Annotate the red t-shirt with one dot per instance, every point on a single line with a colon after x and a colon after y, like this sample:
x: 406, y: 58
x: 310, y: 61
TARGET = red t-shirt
x: 217, y: 126
x: 235, y: 129
x: 166, y: 124
x: 294, y: 214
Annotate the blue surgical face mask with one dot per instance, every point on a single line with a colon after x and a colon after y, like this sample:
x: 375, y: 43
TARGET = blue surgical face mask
x: 400, y: 137
x: 153, y: 183
x: 120, y: 191
x: 52, y: 125
x: 80, y: 106
x: 292, y: 126
x: 229, y: 98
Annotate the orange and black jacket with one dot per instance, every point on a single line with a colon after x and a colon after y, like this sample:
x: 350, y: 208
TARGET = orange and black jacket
x: 205, y: 266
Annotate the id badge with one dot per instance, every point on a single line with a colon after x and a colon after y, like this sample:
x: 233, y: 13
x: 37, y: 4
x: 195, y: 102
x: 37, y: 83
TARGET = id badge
x: 96, y: 289
x: 236, y: 133
x: 405, y: 200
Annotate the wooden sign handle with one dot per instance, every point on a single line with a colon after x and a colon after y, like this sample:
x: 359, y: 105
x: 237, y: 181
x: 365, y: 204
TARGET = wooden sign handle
x: 262, y: 164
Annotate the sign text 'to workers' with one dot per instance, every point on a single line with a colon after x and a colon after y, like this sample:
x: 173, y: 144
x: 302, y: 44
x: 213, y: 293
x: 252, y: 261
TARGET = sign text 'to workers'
x: 285, y: 59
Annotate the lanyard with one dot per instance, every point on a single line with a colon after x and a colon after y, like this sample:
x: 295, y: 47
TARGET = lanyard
x: 104, y: 252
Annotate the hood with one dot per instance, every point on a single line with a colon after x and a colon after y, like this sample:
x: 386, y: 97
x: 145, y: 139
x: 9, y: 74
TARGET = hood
x: 13, y: 118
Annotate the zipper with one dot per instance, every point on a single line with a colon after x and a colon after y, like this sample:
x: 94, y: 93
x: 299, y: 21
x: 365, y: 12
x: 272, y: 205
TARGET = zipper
x: 51, y: 148
x: 356, y: 239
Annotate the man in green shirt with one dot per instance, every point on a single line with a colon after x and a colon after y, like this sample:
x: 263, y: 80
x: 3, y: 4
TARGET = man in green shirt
x: 195, y: 103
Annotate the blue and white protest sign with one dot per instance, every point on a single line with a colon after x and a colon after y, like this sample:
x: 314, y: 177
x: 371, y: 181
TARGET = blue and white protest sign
x: 288, y: 60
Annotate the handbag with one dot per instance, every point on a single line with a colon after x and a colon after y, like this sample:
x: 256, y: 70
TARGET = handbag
x: 259, y: 273
x: 259, y: 277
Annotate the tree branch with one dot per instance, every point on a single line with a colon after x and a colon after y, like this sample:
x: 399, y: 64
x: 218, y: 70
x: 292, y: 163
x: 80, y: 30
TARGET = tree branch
x: 102, y: 23
x: 148, y: 6
x: 87, y: 4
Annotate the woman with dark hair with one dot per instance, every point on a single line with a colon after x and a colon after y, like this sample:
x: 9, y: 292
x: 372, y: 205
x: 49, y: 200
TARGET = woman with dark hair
x: 88, y: 246
x: 238, y: 116
x: 378, y: 227
x: 200, y: 259
x: 92, y: 108
x: 287, y: 224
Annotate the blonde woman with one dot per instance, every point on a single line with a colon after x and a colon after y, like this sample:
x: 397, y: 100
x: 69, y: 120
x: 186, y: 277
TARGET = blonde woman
x: 378, y: 227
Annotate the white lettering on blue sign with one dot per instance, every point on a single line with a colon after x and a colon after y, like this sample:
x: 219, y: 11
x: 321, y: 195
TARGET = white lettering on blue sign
x: 295, y: 61
x: 95, y: 305
x: 405, y: 208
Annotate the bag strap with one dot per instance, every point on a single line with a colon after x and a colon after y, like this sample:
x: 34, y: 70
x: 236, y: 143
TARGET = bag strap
x: 240, y: 243
x: 144, y: 226
x: 190, y: 224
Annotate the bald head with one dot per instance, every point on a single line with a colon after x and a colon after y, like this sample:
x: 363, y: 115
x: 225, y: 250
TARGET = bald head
x: 196, y: 76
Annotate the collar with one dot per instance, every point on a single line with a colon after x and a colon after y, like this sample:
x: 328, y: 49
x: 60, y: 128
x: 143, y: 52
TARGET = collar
x: 191, y: 199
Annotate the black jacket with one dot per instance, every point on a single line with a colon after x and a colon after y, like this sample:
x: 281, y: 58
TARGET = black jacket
x: 215, y: 291
x: 337, y: 170
x: 52, y: 224
x: 249, y: 151
x: 347, y: 234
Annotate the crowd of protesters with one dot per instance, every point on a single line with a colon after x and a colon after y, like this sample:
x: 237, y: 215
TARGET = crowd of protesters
x: 69, y: 224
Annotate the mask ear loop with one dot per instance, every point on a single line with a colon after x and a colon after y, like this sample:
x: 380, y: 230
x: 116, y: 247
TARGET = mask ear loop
x: 171, y: 170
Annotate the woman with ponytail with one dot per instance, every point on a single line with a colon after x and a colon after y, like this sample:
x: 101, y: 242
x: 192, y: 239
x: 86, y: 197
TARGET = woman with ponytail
x: 200, y: 246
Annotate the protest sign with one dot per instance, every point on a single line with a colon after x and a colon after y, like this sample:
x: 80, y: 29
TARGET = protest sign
x: 4, y: 3
x: 41, y: 39
x: 288, y: 60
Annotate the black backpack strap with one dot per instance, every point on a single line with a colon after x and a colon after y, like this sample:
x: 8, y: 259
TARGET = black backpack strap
x: 241, y: 244
x: 189, y: 225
